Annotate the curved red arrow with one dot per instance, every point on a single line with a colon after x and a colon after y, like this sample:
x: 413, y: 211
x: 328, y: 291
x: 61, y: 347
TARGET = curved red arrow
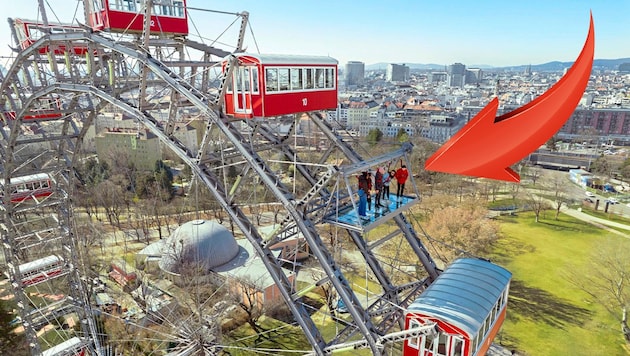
x: 486, y: 146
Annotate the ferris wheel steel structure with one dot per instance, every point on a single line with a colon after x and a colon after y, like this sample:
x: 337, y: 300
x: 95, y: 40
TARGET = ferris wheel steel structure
x: 127, y: 74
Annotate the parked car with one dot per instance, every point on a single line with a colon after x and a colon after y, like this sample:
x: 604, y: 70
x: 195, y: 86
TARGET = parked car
x: 612, y: 201
x: 341, y: 306
x: 590, y: 194
x: 609, y: 188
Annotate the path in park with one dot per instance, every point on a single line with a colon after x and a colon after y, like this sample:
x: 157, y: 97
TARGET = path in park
x: 603, y: 223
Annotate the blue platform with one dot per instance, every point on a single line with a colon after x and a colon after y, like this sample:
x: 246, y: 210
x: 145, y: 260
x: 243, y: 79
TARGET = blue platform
x: 348, y: 217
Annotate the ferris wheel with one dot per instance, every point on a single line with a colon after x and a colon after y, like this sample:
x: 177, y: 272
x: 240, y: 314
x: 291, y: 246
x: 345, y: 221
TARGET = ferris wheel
x: 135, y: 58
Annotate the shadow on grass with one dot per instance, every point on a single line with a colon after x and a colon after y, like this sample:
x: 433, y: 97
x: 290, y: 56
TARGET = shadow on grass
x: 506, y: 249
x: 541, y: 306
x: 313, y: 305
x: 569, y: 225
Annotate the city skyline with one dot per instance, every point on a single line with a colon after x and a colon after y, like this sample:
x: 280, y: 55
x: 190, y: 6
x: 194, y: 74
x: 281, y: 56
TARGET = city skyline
x: 483, y: 33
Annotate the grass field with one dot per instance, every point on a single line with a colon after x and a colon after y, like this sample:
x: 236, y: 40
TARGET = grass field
x: 547, y: 315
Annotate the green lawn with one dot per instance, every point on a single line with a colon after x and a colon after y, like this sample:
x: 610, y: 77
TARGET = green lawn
x: 547, y: 315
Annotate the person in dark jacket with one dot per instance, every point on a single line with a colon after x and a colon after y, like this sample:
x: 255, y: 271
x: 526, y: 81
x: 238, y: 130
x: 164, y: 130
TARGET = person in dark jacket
x: 387, y: 178
x: 370, y: 182
x: 378, y: 187
x: 363, y: 193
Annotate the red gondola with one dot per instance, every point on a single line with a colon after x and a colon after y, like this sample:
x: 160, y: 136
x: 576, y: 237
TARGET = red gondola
x: 468, y: 302
x: 32, y: 186
x: 46, y: 109
x: 71, y: 347
x: 167, y: 16
x: 273, y: 85
x: 40, y: 270
x: 28, y: 32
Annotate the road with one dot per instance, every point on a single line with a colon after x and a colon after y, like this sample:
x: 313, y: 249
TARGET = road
x: 578, y: 193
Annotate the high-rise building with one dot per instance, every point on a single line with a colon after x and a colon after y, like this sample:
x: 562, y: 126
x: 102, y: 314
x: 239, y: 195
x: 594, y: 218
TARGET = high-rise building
x: 355, y: 73
x: 397, y: 73
x: 456, y: 75
x: 474, y: 76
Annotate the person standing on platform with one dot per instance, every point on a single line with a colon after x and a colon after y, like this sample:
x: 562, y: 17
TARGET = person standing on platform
x: 369, y: 190
x: 401, y: 177
x: 363, y: 193
x: 378, y: 187
x: 387, y: 178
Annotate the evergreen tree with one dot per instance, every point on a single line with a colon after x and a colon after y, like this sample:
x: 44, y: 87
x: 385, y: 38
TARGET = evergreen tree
x: 402, y: 136
x: 374, y: 136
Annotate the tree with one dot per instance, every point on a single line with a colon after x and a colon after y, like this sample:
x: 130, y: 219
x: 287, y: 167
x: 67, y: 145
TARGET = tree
x: 551, y: 144
x: 164, y: 179
x: 624, y: 169
x: 602, y: 166
x: 536, y: 202
x: 110, y: 196
x: 248, y: 294
x: 558, y: 187
x: 402, y: 136
x: 463, y: 228
x: 93, y: 172
x: 11, y: 343
x: 515, y: 191
x: 374, y: 136
x: 607, y: 280
x: 534, y: 174
x: 423, y: 149
x: 144, y: 184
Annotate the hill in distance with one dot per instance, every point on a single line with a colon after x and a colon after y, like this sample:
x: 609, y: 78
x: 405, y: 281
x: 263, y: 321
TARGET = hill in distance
x: 600, y: 64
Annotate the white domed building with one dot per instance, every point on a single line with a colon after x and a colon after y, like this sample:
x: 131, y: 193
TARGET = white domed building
x: 205, y: 244
x: 208, y: 251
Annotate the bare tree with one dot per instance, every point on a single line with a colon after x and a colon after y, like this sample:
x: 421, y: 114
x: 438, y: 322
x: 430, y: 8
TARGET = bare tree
x: 536, y: 202
x: 275, y: 209
x: 607, y: 280
x: 248, y: 294
x: 109, y: 195
x: 493, y: 188
x: 515, y: 191
x: 257, y: 211
x: 534, y: 174
x: 462, y: 228
x: 326, y: 288
x: 558, y: 187
x: 91, y: 239
x: 602, y: 166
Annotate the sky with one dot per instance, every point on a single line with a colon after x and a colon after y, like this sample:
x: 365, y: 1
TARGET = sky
x: 482, y: 32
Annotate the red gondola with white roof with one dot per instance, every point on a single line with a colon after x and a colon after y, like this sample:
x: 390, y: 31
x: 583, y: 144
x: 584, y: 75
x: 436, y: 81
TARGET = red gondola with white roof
x: 264, y: 85
x: 71, y: 347
x: 34, y: 186
x: 28, y: 32
x: 45, y: 109
x: 468, y: 301
x: 40, y: 270
x: 168, y: 17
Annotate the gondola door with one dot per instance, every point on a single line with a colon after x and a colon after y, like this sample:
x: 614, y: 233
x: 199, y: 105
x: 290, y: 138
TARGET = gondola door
x: 95, y: 13
x: 242, y: 84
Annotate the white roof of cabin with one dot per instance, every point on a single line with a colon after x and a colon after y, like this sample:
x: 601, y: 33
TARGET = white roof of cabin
x: 288, y: 59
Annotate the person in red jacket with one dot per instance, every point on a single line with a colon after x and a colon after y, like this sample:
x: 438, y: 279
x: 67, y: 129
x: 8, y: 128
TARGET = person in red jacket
x: 401, y: 177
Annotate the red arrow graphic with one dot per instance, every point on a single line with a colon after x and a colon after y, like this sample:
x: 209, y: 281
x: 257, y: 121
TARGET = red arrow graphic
x: 487, y: 145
